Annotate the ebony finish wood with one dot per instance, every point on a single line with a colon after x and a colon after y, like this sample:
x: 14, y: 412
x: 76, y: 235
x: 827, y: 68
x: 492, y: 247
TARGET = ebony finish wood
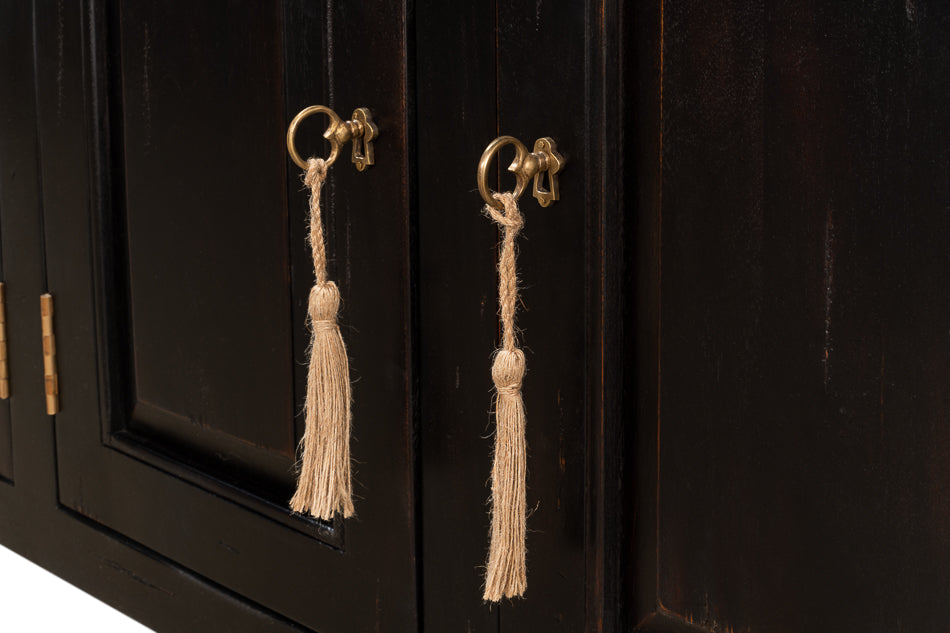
x: 150, y: 588
x: 200, y: 185
x: 12, y: 74
x: 457, y: 320
x: 794, y: 243
x: 641, y: 321
x: 734, y: 317
x: 569, y: 322
x: 160, y: 210
x: 556, y: 317
x: 140, y: 452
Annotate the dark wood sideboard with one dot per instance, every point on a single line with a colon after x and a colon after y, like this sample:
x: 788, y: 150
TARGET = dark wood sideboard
x: 735, y: 318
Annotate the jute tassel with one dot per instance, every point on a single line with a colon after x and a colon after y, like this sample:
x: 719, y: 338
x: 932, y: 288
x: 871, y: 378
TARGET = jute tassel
x: 323, y: 488
x: 505, y: 576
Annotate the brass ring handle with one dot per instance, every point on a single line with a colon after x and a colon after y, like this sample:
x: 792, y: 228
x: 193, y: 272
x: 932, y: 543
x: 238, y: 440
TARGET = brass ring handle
x: 525, y: 166
x: 485, y: 162
x: 329, y: 134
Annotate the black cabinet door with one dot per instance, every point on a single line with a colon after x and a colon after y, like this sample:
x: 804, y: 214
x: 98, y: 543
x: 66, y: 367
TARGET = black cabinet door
x: 530, y: 70
x: 175, y: 240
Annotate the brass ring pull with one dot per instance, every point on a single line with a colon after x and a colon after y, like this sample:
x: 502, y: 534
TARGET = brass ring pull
x: 525, y: 166
x: 335, y: 120
x: 485, y: 162
x: 361, y: 130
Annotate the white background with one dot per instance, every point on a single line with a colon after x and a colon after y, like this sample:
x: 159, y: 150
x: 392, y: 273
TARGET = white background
x: 32, y: 600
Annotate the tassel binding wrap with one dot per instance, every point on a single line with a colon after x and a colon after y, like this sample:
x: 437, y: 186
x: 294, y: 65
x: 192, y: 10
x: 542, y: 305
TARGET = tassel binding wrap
x: 323, y: 488
x: 505, y: 576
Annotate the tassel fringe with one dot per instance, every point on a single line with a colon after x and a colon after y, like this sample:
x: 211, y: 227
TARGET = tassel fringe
x: 506, y: 576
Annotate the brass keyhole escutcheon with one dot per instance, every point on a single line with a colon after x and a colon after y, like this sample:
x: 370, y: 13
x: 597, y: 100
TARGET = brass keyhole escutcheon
x: 544, y: 159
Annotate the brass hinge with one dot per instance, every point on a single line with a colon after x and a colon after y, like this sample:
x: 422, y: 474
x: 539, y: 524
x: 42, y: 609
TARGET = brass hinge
x: 49, y: 355
x: 4, y: 363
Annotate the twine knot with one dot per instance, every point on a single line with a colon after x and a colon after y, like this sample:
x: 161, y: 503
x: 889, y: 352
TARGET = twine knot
x: 316, y: 172
x: 511, y: 218
x: 324, y: 303
x: 327, y: 325
x: 508, y: 369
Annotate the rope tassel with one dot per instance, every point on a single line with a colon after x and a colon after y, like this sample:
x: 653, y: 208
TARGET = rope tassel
x: 505, y: 576
x: 323, y: 488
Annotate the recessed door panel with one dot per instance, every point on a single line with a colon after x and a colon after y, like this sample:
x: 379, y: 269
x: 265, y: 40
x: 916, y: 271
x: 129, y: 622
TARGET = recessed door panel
x: 206, y: 231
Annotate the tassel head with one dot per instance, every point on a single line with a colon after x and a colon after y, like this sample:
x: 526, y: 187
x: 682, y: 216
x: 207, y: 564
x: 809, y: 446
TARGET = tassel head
x: 507, y: 371
x: 324, y: 303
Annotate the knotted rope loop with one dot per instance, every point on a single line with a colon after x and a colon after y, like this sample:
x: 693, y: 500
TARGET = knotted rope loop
x: 509, y: 216
x: 316, y: 172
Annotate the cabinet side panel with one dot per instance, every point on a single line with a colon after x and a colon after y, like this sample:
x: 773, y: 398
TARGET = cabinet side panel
x: 804, y: 451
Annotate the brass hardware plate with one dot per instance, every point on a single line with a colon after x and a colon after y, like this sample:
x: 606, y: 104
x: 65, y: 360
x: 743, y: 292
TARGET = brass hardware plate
x: 49, y: 355
x: 4, y: 362
x: 545, y: 159
x: 365, y: 132
x: 361, y: 130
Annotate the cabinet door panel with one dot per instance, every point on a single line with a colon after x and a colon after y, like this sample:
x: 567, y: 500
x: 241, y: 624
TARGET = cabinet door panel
x: 182, y: 349
x: 209, y: 307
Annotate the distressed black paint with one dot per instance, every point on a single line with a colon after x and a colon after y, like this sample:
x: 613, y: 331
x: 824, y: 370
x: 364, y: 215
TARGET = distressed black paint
x: 157, y: 205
